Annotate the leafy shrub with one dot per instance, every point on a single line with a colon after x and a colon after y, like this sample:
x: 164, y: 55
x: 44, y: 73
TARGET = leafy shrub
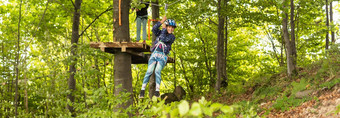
x: 330, y: 84
x: 266, y: 91
x: 299, y: 86
x: 202, y: 108
x: 284, y: 103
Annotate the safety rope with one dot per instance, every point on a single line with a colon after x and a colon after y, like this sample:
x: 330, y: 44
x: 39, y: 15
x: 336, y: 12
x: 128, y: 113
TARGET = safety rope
x: 165, y: 5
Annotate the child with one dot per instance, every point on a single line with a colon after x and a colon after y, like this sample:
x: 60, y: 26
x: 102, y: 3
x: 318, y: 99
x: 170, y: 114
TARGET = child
x: 159, y: 57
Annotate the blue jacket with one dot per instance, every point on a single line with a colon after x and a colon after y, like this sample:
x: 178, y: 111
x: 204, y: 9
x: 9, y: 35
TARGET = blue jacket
x: 164, y: 37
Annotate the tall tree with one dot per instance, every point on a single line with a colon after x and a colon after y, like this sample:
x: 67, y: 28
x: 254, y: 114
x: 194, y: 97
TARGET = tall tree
x: 225, y: 79
x: 292, y: 31
x: 122, y: 61
x: 17, y: 65
x: 220, y: 60
x: 327, y: 25
x: 291, y: 67
x: 74, y: 42
x: 331, y: 19
x: 155, y: 15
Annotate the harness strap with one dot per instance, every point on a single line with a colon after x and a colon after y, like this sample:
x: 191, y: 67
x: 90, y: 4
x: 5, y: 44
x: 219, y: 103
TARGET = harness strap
x: 163, y: 46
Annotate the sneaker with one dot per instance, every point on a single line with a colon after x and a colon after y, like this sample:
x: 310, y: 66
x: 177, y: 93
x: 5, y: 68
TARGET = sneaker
x: 141, y: 95
x: 157, y: 93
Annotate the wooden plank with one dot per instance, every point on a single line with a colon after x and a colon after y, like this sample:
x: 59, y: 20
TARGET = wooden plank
x: 140, y: 54
x: 136, y: 49
x: 102, y: 46
x: 123, y: 49
x: 94, y: 45
x: 139, y: 47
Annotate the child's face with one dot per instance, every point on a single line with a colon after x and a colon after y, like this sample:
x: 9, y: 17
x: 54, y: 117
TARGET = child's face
x: 170, y: 29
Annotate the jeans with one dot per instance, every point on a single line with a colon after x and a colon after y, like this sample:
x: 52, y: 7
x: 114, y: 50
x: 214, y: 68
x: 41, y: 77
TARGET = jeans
x: 156, y: 62
x: 141, y: 20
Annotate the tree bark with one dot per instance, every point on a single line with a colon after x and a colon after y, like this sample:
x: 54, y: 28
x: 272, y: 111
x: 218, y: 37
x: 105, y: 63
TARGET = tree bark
x: 292, y: 29
x: 327, y: 25
x: 225, y: 78
x: 289, y: 52
x: 122, y: 60
x: 98, y: 73
x: 220, y: 50
x: 17, y: 64
x: 331, y: 19
x: 293, y: 42
x: 74, y: 42
x: 26, y: 96
x: 3, y: 73
x: 152, y: 80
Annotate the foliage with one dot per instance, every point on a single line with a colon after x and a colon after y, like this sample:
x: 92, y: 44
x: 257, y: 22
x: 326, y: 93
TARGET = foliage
x: 285, y: 103
x: 202, y: 108
x: 254, y: 53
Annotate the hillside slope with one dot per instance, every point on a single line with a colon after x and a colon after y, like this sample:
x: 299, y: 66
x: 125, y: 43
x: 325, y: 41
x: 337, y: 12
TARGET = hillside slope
x: 315, y: 92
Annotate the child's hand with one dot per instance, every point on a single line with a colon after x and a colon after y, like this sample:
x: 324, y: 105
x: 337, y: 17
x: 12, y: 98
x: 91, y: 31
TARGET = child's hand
x: 163, y: 20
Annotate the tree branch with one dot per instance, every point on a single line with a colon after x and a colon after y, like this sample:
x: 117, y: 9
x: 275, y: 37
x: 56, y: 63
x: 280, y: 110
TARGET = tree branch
x: 35, y: 31
x: 73, y: 4
x: 213, y: 22
x: 108, y: 9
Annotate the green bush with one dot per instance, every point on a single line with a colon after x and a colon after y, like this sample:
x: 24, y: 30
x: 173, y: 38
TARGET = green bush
x: 330, y: 84
x: 183, y: 108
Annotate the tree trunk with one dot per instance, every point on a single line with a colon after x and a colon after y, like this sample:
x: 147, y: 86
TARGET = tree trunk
x: 189, y: 86
x: 175, y: 82
x: 225, y: 78
x: 152, y: 81
x: 104, y: 73
x: 206, y: 59
x: 98, y: 71
x: 281, y: 55
x: 220, y: 50
x: 74, y: 42
x: 83, y: 63
x: 26, y: 96
x: 17, y: 65
x: 122, y: 60
x: 289, y: 53
x: 292, y: 42
x: 327, y: 25
x: 3, y: 72
x: 331, y: 19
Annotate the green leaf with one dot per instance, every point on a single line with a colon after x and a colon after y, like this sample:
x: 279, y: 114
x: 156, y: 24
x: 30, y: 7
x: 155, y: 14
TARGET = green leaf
x: 207, y: 111
x: 202, y: 101
x: 183, y: 108
x: 174, y: 113
x: 215, y: 106
x: 195, y: 109
x: 227, y: 109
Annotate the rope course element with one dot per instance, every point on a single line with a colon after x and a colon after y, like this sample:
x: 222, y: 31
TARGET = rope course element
x: 149, y: 26
x: 165, y: 5
x: 120, y: 13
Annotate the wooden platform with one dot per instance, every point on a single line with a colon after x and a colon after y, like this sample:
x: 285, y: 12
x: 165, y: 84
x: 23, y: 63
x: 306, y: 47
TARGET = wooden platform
x: 136, y: 49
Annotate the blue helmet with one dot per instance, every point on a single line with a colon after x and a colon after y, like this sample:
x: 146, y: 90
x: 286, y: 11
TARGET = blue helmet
x: 170, y: 22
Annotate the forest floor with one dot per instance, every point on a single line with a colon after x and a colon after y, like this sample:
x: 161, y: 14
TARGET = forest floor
x: 317, y: 93
x: 325, y: 107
